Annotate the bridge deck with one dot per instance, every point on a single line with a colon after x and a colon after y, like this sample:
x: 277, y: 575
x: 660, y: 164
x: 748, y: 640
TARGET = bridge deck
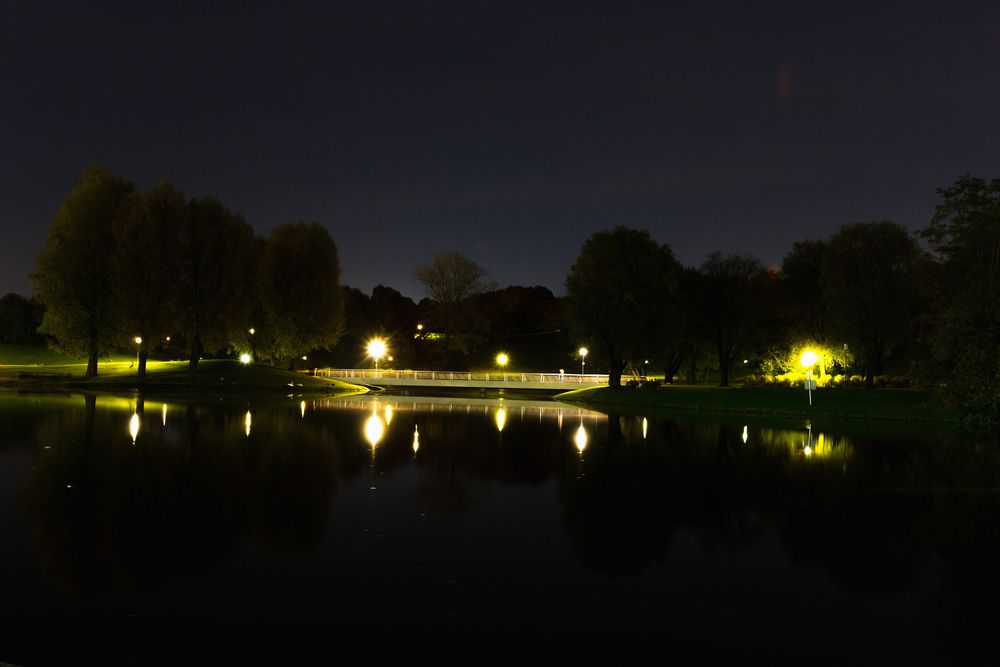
x: 465, y: 379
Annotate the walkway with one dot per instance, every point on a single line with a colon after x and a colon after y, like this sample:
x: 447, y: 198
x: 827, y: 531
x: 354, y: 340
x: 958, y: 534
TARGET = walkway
x: 480, y: 380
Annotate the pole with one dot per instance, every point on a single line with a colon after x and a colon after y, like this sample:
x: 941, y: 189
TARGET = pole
x: 809, y: 384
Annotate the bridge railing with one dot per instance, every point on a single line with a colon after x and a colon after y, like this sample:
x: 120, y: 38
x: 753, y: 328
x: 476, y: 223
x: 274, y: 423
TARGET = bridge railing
x: 469, y: 376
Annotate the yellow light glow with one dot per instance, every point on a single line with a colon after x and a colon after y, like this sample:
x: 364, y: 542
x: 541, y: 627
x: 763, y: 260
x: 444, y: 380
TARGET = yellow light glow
x: 133, y: 426
x: 388, y: 415
x: 645, y: 426
x: 808, y: 359
x: 420, y: 327
x: 245, y: 359
x: 376, y: 348
x: 137, y: 340
x: 302, y: 409
x: 252, y: 331
x: 501, y: 418
x: 416, y: 439
x: 374, y: 429
x: 808, y: 450
x: 246, y: 423
x: 580, y: 438
x: 583, y: 352
x: 502, y: 359
x: 164, y: 414
x: 744, y: 435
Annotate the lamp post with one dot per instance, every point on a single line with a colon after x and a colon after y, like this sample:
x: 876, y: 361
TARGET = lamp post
x: 138, y: 349
x: 502, y: 360
x: 376, y: 350
x: 583, y: 359
x: 808, y: 360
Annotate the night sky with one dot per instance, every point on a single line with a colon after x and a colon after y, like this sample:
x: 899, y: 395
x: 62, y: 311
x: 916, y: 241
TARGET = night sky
x: 508, y: 132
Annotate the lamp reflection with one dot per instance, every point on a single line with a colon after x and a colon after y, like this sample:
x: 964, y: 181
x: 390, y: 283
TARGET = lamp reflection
x: 645, y: 426
x: 164, y: 414
x: 580, y: 438
x: 374, y: 429
x: 745, y: 434
x: 388, y: 415
x: 416, y: 439
x: 501, y: 418
x: 246, y: 423
x: 133, y: 426
x: 302, y: 409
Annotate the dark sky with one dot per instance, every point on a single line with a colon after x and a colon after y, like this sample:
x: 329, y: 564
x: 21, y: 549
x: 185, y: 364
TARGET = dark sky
x: 509, y: 132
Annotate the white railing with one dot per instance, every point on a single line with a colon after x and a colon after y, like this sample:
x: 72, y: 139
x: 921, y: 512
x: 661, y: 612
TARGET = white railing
x: 468, y: 376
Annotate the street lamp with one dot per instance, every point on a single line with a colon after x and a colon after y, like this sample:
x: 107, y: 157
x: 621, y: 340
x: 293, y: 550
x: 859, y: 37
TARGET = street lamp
x: 376, y: 350
x: 583, y: 358
x: 502, y: 360
x: 138, y: 348
x: 808, y: 360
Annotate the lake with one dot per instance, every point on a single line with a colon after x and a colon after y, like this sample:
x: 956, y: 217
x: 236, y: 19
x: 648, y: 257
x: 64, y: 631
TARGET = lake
x: 208, y: 530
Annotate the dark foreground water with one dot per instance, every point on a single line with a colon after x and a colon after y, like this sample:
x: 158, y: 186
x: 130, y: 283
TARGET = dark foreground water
x: 309, y: 532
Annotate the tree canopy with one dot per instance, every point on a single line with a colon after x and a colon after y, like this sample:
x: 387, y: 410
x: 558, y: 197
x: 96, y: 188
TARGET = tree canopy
x: 618, y: 295
x: 146, y: 264
x: 867, y: 276
x: 450, y: 280
x: 300, y: 291
x: 964, y: 235
x: 73, y: 275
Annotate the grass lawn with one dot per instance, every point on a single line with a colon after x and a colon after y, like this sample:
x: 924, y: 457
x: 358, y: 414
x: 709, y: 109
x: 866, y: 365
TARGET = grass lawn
x: 839, y: 403
x: 27, y: 366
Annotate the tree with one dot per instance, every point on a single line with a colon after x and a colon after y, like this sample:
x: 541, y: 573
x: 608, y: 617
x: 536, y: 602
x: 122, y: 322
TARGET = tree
x: 867, y: 276
x: 73, y: 270
x: 216, y: 283
x: 619, y: 295
x: 19, y: 319
x: 727, y: 297
x: 146, y: 263
x: 300, y: 291
x: 964, y: 236
x: 451, y: 279
x: 802, y: 290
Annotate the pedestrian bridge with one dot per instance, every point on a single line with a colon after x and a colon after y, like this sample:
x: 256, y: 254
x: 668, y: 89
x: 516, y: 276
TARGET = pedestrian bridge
x: 464, y: 379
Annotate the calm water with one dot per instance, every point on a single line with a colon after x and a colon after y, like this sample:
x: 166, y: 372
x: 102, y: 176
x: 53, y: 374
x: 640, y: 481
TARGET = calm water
x: 307, y: 531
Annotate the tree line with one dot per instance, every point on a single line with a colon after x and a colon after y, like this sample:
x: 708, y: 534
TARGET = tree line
x: 122, y: 267
x: 119, y: 265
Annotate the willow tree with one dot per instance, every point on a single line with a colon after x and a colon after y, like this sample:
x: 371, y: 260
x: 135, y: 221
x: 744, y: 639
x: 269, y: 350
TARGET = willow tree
x: 146, y: 263
x: 300, y: 291
x: 215, y: 284
x: 73, y: 275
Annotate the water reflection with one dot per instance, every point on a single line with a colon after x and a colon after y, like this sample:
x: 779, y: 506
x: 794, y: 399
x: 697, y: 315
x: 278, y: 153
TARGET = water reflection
x: 501, y: 418
x: 580, y: 438
x: 908, y: 514
x: 133, y: 426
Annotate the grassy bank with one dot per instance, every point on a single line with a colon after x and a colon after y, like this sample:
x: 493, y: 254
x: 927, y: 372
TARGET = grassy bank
x: 41, y: 369
x: 910, y: 405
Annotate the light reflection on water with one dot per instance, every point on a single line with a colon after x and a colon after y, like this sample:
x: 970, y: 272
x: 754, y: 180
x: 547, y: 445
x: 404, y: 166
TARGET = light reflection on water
x: 532, y: 520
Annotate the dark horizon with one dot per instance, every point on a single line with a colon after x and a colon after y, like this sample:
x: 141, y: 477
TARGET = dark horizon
x: 509, y: 136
